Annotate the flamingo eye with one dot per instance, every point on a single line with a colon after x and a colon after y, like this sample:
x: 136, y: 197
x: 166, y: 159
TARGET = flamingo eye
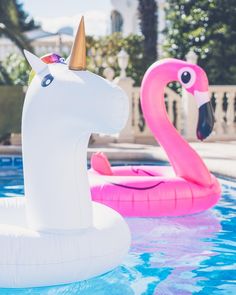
x: 47, y: 80
x: 187, y: 77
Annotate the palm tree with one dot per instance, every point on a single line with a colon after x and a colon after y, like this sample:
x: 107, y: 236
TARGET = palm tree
x: 16, y: 37
x: 148, y: 24
x: 10, y: 24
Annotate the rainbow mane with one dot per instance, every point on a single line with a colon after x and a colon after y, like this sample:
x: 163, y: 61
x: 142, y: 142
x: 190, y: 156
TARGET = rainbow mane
x: 49, y: 58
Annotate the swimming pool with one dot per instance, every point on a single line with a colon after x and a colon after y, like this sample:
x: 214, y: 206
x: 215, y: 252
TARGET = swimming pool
x: 186, y: 255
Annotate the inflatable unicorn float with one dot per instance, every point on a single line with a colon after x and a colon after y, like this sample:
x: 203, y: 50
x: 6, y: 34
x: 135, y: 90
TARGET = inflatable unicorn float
x: 56, y: 234
x: 187, y: 186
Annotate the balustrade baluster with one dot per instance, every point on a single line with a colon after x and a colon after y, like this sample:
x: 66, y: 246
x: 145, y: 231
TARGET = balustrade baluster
x: 178, y: 114
x: 219, y: 115
x: 170, y: 108
x: 230, y: 113
x: 136, y: 110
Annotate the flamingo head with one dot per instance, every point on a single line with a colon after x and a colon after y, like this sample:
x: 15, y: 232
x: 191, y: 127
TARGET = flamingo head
x: 194, y: 79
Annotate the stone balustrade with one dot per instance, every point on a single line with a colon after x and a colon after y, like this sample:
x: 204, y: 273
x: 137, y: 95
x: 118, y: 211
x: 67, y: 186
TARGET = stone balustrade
x: 182, y: 109
x: 224, y: 103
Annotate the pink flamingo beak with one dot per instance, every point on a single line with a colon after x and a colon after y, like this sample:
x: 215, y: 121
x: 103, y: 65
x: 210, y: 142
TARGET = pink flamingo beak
x: 206, y: 114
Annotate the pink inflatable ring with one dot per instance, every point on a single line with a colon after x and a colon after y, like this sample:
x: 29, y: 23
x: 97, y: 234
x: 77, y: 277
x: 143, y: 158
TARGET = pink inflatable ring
x: 150, y: 191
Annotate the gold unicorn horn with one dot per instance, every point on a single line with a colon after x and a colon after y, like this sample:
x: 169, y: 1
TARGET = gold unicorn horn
x: 78, y: 53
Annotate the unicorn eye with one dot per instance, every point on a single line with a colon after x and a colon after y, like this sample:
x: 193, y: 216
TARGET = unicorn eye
x: 47, y: 80
x: 187, y: 77
x: 62, y: 60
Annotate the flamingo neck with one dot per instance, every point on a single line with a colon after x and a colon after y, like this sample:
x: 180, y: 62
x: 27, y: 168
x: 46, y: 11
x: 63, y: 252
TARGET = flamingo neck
x: 184, y: 160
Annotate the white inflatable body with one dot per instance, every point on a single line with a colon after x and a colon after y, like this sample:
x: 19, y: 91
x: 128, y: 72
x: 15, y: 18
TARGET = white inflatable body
x: 56, y: 234
x: 31, y: 258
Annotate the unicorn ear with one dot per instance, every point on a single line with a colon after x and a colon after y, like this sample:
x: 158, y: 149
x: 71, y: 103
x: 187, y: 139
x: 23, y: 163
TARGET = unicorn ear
x: 68, y: 59
x: 36, y: 63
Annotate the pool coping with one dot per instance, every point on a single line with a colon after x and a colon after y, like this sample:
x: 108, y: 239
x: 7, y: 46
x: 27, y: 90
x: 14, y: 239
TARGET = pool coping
x: 220, y: 157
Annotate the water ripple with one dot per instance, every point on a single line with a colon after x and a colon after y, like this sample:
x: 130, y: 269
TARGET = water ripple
x: 186, y: 255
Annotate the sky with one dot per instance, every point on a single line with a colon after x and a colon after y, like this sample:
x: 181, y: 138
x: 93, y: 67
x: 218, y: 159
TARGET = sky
x: 54, y: 14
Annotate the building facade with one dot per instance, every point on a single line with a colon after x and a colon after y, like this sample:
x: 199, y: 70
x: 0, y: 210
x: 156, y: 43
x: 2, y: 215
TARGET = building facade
x: 124, y: 18
x: 42, y: 42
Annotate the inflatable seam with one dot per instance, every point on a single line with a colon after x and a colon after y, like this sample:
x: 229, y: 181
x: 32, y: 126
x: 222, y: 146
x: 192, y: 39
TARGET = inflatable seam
x: 64, y: 262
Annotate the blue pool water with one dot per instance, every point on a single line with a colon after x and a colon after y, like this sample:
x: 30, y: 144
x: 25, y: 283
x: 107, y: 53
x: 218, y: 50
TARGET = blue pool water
x: 186, y: 255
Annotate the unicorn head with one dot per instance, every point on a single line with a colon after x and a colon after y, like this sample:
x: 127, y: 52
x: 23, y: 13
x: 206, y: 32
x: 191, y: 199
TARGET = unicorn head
x: 64, y: 104
x: 79, y: 98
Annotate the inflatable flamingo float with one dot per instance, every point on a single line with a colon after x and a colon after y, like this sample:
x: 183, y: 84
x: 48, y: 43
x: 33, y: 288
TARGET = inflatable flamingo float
x: 184, y: 188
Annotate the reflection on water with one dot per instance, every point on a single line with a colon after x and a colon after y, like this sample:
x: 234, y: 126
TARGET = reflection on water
x: 172, y: 248
x: 186, y: 255
x: 11, y: 183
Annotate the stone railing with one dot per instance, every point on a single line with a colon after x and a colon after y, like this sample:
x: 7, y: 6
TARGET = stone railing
x: 182, y: 109
x: 224, y: 103
x: 141, y: 131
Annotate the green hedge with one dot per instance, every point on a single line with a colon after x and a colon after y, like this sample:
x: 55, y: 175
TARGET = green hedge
x: 11, y: 104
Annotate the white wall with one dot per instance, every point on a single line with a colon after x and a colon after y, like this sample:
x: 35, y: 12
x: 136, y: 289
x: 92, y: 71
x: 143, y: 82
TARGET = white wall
x: 129, y: 11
